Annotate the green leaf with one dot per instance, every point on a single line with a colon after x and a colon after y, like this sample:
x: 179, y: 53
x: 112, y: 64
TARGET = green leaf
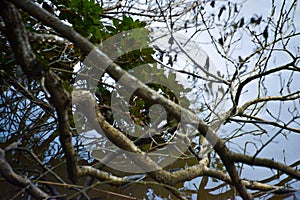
x: 111, y: 29
x: 75, y: 5
x: 85, y: 6
x: 116, y: 23
x: 88, y: 21
x: 127, y: 20
x: 97, y: 9
x: 64, y: 15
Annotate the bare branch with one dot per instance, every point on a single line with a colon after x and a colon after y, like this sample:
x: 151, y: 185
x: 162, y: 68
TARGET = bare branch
x: 17, y: 36
x: 7, y: 172
x: 288, y: 66
x: 289, y: 97
x: 266, y: 163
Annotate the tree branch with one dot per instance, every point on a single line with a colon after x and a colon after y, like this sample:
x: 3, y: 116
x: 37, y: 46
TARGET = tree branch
x: 144, y: 91
x: 33, y: 68
x: 263, y: 162
x: 7, y: 172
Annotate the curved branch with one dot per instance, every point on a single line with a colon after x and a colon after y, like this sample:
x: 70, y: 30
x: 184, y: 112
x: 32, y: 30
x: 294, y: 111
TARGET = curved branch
x: 289, y: 97
x: 263, y: 162
x: 252, y: 78
x: 259, y: 120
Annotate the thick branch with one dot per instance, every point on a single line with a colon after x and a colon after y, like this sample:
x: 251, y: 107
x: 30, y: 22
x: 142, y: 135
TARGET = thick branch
x: 61, y: 100
x: 100, y: 175
x: 18, y: 40
x: 46, y: 38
